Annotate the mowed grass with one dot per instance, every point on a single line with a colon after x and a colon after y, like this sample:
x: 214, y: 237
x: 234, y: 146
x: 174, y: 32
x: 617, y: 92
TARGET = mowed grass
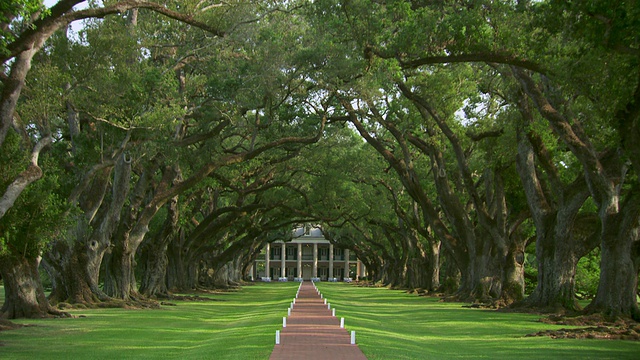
x: 237, y: 325
x: 241, y: 325
x: 391, y: 324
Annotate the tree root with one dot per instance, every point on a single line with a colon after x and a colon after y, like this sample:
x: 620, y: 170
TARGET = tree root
x: 596, y: 327
x: 8, y: 325
x: 134, y: 303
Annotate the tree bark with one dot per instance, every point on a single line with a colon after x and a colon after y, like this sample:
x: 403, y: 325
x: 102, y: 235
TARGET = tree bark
x: 513, y: 284
x: 183, y: 268
x: 513, y: 275
x: 154, y: 256
x: 618, y: 286
x: 433, y: 266
x: 74, y: 271
x: 220, y: 276
x: 604, y: 180
x: 78, y: 264
x: 31, y: 174
x: 153, y: 283
x: 119, y: 277
x: 450, y: 274
x: 24, y: 294
x: 12, y: 88
x: 554, y: 220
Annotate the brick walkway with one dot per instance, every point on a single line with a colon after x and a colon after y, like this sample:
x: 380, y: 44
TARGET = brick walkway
x: 313, y: 333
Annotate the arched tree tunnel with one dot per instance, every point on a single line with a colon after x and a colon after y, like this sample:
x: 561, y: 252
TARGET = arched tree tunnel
x: 482, y: 151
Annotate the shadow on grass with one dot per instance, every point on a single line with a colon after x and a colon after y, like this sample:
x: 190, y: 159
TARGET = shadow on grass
x: 241, y: 327
x: 392, y: 324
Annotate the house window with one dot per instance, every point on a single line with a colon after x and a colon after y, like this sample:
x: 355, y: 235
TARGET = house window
x: 276, y: 252
x: 323, y: 254
x: 307, y: 253
x: 323, y: 273
x: 292, y: 253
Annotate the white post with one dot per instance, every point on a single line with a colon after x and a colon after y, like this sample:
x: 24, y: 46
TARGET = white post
x: 277, y: 337
x: 289, y: 312
x: 341, y: 323
x: 329, y: 306
x: 325, y: 301
x: 353, y: 338
x: 333, y: 313
x: 284, y: 321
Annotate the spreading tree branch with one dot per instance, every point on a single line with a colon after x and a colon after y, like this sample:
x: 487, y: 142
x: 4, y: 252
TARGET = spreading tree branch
x: 31, y: 174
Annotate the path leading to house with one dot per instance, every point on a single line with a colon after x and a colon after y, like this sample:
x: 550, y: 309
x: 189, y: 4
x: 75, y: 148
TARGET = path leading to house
x: 313, y: 333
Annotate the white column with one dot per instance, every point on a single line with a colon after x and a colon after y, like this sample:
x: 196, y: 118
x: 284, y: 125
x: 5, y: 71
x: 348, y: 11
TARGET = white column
x: 266, y: 261
x: 299, y: 260
x: 357, y: 269
x: 346, y: 263
x: 283, y: 263
x: 315, y: 260
x: 330, y: 261
x: 251, y: 273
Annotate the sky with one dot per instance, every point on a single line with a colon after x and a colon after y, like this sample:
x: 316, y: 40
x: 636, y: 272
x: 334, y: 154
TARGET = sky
x: 50, y: 3
x: 76, y: 25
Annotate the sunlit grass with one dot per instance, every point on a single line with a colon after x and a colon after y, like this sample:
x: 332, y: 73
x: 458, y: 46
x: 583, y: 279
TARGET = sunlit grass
x: 237, y: 325
x: 241, y: 325
x: 391, y: 324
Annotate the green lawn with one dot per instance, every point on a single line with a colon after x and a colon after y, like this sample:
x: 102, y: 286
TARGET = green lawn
x: 394, y: 325
x: 238, y: 325
x: 241, y: 325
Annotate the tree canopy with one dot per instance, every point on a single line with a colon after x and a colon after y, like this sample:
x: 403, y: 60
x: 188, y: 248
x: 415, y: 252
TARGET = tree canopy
x: 460, y: 147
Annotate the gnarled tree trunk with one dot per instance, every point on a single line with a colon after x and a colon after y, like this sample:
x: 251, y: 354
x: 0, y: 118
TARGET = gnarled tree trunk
x: 77, y: 265
x: 154, y: 256
x: 182, y: 274
x: 618, y: 286
x: 433, y: 266
x: 24, y: 294
x: 557, y: 250
x: 513, y: 273
x: 74, y: 270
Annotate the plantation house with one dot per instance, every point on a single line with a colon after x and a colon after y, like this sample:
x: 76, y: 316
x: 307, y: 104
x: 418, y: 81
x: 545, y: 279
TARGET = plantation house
x: 309, y: 256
